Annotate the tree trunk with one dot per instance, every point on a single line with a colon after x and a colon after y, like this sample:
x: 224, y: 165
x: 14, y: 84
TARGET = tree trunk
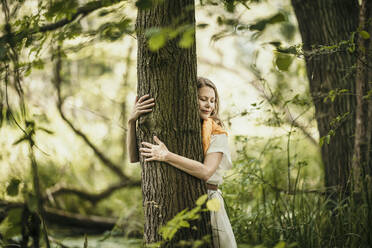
x: 362, y: 130
x: 328, y: 23
x: 169, y: 75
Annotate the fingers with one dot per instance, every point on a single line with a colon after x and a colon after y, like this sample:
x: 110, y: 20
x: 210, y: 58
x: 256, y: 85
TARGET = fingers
x: 147, y: 144
x: 157, y: 140
x: 146, y: 154
x: 145, y: 111
x: 143, y: 149
x: 143, y: 98
x: 148, y: 101
x: 142, y: 107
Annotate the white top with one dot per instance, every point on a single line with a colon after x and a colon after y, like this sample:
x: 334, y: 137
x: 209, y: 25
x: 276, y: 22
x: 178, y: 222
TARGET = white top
x: 219, y: 143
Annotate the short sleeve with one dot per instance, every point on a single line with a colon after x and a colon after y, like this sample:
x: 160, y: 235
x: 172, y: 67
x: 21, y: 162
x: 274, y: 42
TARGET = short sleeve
x: 219, y: 143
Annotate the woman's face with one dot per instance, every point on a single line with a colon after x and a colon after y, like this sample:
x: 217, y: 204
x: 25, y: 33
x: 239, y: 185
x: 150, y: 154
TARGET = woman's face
x: 207, y: 101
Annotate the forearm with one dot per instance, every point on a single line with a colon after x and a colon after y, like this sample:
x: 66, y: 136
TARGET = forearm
x: 187, y: 165
x: 132, y: 146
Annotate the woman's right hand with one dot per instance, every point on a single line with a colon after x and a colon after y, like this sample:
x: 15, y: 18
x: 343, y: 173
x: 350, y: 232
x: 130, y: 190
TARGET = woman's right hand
x: 141, y: 106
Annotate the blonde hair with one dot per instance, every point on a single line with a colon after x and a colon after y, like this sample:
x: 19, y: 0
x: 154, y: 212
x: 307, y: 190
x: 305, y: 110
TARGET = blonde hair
x: 205, y: 82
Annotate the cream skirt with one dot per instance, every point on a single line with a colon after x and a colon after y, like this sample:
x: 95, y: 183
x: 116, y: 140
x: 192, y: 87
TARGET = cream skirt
x: 223, y: 236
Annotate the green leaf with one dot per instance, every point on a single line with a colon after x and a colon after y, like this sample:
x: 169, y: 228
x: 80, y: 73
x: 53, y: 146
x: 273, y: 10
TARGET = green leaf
x: 167, y: 232
x: 38, y: 64
x: 275, y: 43
x: 351, y: 48
x: 213, y: 204
x: 154, y: 245
x: 104, y: 12
x: 157, y: 41
x: 365, y: 35
x: 13, y: 187
x: 184, y: 224
x: 229, y: 5
x: 259, y: 26
x: 11, y: 226
x: 201, y: 200
x: 15, y: 216
x: 277, y: 18
x: 281, y: 244
x: 283, y: 61
x: 321, y: 141
x: 187, y: 38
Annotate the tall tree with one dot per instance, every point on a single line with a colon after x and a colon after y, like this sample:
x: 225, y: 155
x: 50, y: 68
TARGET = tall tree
x: 328, y: 23
x: 169, y: 75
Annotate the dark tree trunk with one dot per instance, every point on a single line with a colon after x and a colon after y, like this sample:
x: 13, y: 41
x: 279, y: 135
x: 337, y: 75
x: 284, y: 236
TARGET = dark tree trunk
x: 328, y: 23
x: 362, y: 144
x: 169, y: 76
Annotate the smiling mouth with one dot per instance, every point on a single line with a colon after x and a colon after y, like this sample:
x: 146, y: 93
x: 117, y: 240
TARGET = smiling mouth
x: 206, y: 112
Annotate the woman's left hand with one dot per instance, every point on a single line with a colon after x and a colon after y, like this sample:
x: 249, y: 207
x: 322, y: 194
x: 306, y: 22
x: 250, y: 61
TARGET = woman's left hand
x: 152, y: 152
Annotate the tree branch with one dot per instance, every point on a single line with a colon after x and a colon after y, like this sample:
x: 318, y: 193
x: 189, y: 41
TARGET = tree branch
x: 92, y: 197
x: 60, y: 217
x: 81, y: 11
x: 106, y: 161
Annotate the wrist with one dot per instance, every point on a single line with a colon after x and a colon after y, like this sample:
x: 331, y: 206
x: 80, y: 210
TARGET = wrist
x: 168, y: 156
x: 131, y: 121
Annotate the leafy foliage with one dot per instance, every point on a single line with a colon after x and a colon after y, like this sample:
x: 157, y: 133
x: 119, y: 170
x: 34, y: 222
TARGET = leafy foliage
x: 13, y: 187
x: 184, y: 219
x: 12, y: 224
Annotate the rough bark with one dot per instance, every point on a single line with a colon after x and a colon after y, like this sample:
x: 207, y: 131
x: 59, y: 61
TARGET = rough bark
x: 169, y: 75
x: 328, y: 23
x: 362, y: 140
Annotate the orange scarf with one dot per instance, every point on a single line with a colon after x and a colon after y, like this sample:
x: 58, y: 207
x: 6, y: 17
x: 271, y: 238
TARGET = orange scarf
x: 210, y: 127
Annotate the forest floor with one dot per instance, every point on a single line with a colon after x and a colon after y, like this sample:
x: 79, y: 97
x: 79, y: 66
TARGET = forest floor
x: 98, y: 241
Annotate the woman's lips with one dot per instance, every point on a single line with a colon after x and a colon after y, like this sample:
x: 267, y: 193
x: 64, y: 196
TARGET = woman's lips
x: 206, y: 112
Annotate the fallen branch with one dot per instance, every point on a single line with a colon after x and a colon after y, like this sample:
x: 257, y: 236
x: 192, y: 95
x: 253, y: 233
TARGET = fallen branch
x: 64, y: 218
x: 92, y: 197
x: 90, y: 223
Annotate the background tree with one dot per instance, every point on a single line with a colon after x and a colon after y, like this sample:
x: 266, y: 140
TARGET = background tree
x: 337, y: 72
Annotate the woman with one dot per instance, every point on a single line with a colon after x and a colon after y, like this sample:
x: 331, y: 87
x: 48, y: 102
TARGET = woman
x: 216, y: 160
